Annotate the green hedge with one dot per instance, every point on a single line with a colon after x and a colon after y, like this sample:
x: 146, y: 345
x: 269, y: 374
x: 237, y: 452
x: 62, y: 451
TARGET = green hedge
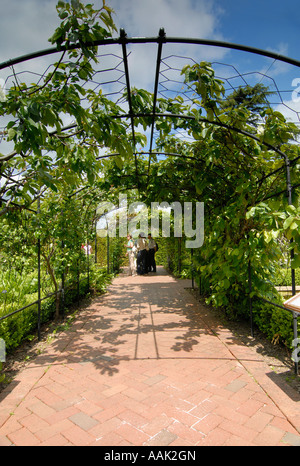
x: 284, y: 277
x: 20, y: 326
x: 275, y: 323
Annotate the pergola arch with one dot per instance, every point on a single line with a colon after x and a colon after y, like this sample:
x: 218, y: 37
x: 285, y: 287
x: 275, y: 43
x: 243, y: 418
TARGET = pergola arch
x: 161, y: 40
x: 123, y: 69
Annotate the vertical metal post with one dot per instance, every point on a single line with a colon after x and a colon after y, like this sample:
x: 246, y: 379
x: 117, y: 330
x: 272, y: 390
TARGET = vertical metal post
x: 78, y: 273
x: 63, y: 275
x: 123, y: 41
x: 290, y: 202
x: 295, y: 315
x: 250, y: 297
x: 63, y: 287
x: 107, y: 251
x: 179, y: 255
x: 162, y: 37
x: 295, y: 329
x: 88, y: 251
x: 39, y: 272
x: 192, y: 252
x: 78, y: 282
x: 96, y: 249
x: 88, y: 262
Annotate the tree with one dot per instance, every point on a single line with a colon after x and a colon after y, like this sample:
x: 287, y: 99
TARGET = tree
x: 47, y: 152
x: 233, y: 165
x: 253, y: 98
x: 234, y: 168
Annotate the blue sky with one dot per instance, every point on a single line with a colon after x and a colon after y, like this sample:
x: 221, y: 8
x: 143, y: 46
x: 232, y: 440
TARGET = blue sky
x: 264, y: 24
x: 25, y: 26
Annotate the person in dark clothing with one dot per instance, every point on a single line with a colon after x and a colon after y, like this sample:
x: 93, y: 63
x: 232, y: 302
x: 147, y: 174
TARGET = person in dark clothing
x: 142, y: 248
x: 151, y: 264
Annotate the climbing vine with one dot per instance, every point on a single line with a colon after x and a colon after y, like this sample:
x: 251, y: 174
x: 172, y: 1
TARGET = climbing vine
x: 236, y: 163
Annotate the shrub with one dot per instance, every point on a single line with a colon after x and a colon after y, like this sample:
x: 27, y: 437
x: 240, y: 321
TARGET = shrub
x: 275, y: 323
x: 18, y: 327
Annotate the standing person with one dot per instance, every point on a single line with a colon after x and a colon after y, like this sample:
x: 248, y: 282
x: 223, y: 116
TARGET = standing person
x: 142, y: 247
x: 151, y: 254
x: 87, y: 248
x: 130, y: 254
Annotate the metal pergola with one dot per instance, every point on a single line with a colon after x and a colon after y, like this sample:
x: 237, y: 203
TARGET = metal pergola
x: 162, y: 40
x: 115, y: 78
x: 121, y: 80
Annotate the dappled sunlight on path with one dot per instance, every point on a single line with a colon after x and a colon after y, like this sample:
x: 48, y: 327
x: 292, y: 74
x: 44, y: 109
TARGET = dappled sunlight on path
x: 146, y: 364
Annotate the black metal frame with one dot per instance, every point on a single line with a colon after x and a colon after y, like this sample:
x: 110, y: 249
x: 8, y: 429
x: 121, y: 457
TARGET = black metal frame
x: 123, y: 40
x: 61, y: 291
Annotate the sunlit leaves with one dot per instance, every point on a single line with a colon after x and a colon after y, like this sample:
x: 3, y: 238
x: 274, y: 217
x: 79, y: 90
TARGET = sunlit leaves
x: 277, y: 130
x: 82, y: 24
x: 38, y: 112
x: 202, y: 78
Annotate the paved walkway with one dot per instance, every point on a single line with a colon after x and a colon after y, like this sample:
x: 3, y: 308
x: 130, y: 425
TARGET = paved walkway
x: 146, y: 364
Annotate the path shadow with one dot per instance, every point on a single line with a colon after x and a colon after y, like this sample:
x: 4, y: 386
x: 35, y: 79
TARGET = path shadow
x: 110, y: 330
x: 278, y: 379
x: 277, y: 357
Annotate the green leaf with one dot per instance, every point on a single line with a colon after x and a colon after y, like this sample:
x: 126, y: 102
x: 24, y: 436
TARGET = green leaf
x: 287, y: 223
x: 11, y: 134
x: 296, y: 262
x: 119, y: 162
x: 75, y: 4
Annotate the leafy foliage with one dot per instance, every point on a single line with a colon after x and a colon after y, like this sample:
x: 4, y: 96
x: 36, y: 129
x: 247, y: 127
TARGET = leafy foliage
x: 236, y: 164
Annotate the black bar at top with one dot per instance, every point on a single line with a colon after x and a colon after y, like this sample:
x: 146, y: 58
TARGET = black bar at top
x: 144, y: 40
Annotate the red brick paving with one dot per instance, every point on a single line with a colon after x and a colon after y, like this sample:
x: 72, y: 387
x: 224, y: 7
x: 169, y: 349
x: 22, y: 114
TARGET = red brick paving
x: 146, y: 364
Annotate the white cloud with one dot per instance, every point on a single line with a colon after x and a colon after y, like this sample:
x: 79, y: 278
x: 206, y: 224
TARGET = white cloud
x: 179, y: 18
x: 277, y: 67
x: 290, y: 109
x: 183, y: 19
x: 25, y: 26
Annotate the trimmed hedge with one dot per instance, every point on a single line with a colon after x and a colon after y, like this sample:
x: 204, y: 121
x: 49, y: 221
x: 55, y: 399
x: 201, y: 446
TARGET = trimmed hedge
x: 20, y: 326
x: 275, y: 323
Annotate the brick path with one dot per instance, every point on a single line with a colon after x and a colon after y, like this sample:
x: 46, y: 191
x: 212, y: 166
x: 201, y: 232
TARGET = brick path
x: 146, y: 364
